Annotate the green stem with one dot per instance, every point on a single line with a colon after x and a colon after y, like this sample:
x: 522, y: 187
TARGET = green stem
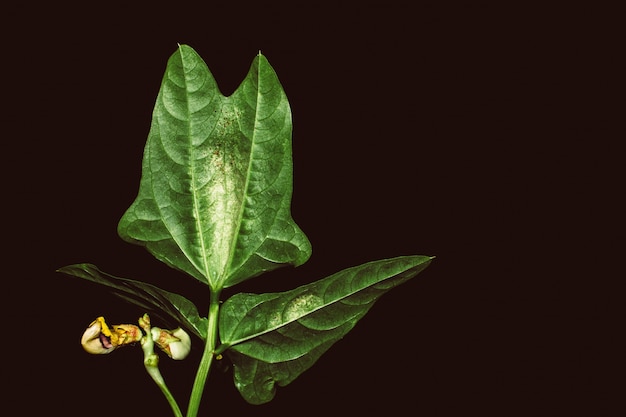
x: 153, y: 371
x: 207, y: 357
x: 151, y: 363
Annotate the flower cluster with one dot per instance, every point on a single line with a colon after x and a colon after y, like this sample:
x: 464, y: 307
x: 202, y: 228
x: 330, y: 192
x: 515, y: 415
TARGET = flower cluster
x: 100, y: 338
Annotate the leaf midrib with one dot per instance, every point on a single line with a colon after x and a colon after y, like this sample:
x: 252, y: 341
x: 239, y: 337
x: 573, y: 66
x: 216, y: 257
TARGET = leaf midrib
x: 286, y: 323
x: 192, y: 165
x: 233, y: 243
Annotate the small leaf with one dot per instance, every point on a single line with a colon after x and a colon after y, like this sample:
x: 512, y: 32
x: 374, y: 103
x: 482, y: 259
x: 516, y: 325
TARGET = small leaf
x: 146, y: 296
x: 215, y: 192
x: 272, y: 338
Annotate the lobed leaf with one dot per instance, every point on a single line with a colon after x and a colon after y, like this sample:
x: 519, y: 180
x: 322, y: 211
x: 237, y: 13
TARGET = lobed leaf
x: 215, y: 192
x: 272, y: 338
x: 149, y: 297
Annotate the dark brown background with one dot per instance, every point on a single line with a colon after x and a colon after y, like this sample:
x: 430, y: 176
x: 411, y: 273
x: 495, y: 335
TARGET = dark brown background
x: 473, y: 132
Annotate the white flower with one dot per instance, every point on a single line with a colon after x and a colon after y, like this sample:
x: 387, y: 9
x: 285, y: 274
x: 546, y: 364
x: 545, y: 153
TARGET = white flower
x: 99, y: 339
x: 175, y: 343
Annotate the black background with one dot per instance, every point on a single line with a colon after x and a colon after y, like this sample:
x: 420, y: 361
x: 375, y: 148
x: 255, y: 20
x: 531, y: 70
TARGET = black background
x: 472, y: 132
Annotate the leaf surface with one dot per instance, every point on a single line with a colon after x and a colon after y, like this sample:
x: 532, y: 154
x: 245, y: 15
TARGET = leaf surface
x: 215, y: 192
x: 272, y: 338
x: 149, y: 297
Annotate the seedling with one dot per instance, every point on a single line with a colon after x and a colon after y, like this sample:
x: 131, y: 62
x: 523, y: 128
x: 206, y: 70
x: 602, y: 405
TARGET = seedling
x: 214, y: 202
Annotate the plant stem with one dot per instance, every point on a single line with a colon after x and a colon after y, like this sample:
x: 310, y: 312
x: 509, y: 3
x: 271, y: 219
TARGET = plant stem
x: 156, y: 376
x: 207, y: 356
x: 151, y: 363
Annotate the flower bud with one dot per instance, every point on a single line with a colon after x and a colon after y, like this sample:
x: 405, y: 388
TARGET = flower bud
x: 175, y: 343
x: 99, y: 339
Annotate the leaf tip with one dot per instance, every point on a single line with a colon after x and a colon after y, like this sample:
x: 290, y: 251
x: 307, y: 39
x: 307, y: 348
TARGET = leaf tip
x: 63, y: 269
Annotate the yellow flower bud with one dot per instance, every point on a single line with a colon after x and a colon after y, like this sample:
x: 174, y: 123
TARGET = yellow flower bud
x: 175, y: 343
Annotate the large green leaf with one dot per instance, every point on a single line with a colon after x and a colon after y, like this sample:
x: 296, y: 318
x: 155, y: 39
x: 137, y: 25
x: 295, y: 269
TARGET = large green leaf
x: 215, y: 192
x: 272, y: 338
x: 150, y: 298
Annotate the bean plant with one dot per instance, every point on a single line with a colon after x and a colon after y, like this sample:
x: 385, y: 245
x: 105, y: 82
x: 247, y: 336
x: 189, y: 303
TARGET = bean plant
x: 214, y: 202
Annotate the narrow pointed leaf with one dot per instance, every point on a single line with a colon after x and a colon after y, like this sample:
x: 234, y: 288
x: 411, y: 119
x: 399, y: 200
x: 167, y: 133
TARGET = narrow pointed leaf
x: 272, y: 338
x: 215, y: 192
x: 152, y: 299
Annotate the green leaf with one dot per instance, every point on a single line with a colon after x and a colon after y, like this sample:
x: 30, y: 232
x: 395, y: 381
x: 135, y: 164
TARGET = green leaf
x: 150, y: 298
x: 215, y: 192
x: 272, y: 338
